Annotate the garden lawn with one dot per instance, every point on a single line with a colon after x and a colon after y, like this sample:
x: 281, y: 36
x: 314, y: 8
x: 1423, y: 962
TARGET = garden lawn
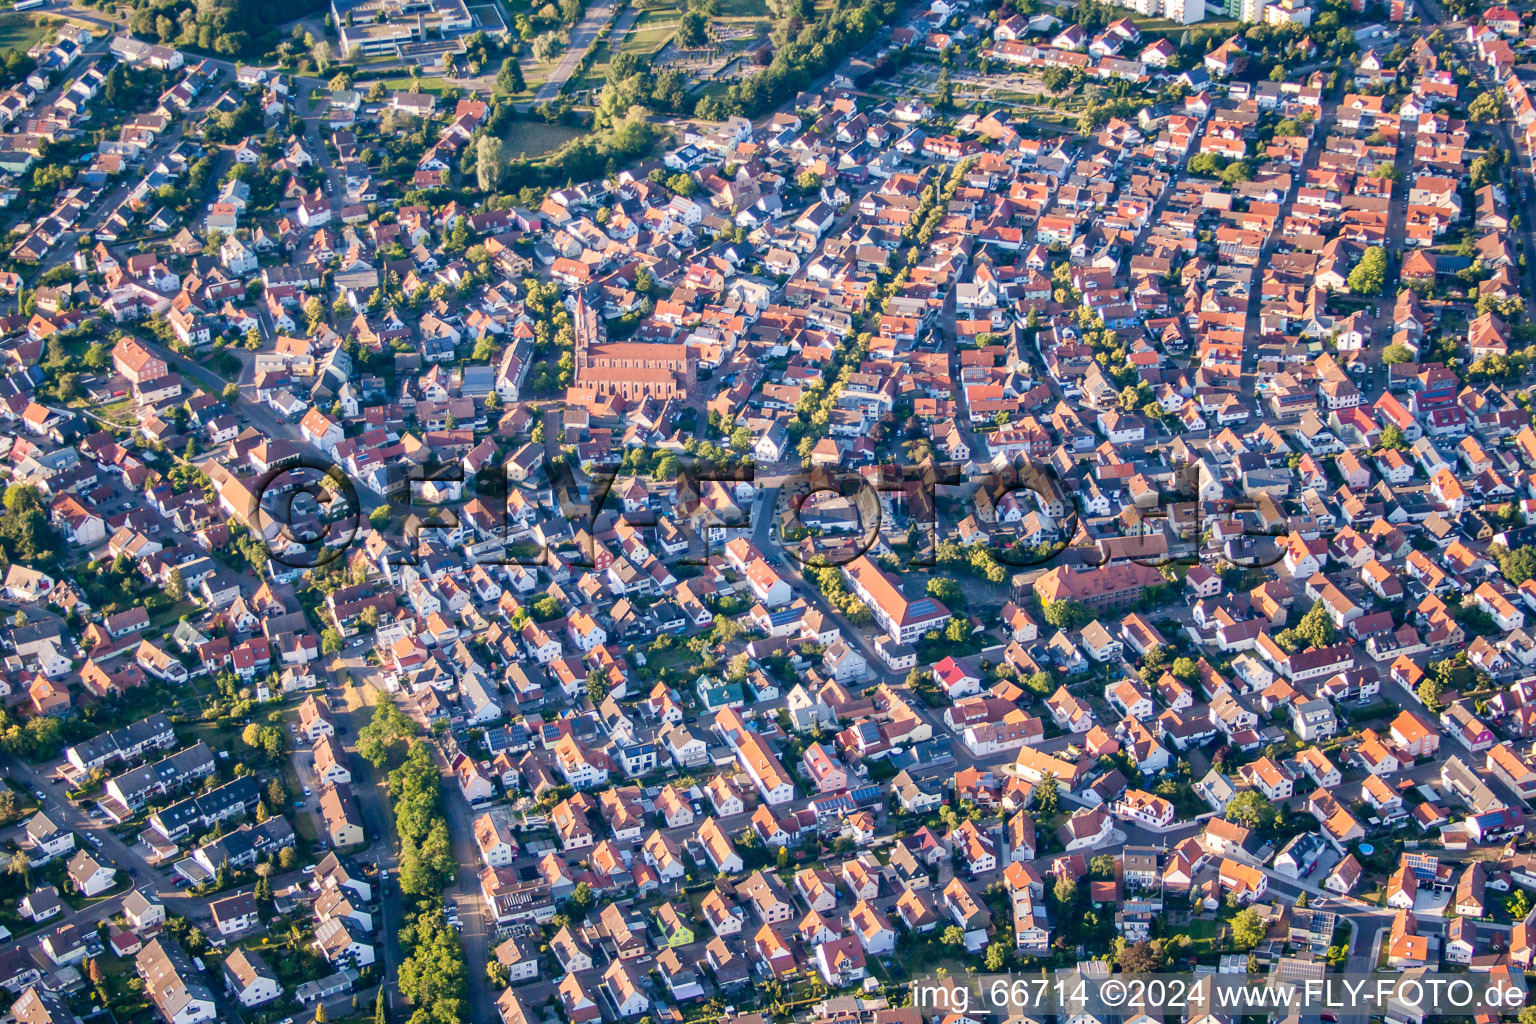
x: 435, y: 86
x: 533, y: 138
x: 20, y: 30
x: 1205, y: 936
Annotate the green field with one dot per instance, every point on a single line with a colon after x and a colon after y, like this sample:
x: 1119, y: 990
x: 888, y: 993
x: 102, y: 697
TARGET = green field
x: 1172, y: 29
x: 435, y: 86
x: 534, y: 138
x: 656, y: 24
x: 20, y: 31
x: 1206, y: 936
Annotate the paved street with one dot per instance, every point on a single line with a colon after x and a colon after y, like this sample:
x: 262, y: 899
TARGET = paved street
x: 583, y: 35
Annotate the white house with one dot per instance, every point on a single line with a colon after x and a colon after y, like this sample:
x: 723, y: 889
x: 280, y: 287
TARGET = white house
x: 46, y: 840
x: 340, y: 947
x: 248, y: 978
x: 498, y: 846
x: 90, y: 876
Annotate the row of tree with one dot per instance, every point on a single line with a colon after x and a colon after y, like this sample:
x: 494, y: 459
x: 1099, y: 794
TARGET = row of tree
x: 235, y: 27
x: 432, y: 975
x: 379, y: 742
x: 427, y: 863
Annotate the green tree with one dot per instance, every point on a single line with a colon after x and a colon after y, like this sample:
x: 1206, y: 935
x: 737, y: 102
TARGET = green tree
x: 1248, y: 929
x: 1048, y: 796
x: 1056, y: 78
x: 546, y: 47
x: 1140, y: 958
x: 1392, y: 437
x: 1250, y: 809
x: 1065, y: 890
x: 1518, y: 565
x: 1236, y: 171
x: 1316, y: 628
x: 692, y: 31
x: 1486, y: 108
x: 1370, y: 274
x: 1066, y: 614
x: 1394, y: 354
x: 510, y: 78
x: 1207, y: 165
x: 946, y: 590
x: 597, y: 686
x: 490, y: 162
x: 21, y: 867
x: 330, y: 642
x: 389, y: 727
x: 953, y: 936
